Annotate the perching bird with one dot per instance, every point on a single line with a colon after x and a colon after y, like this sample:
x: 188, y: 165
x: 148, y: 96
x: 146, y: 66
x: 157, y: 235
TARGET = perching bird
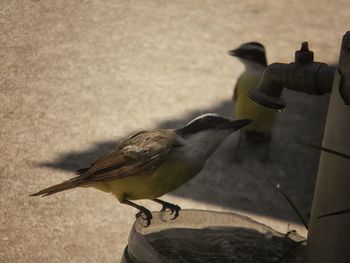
x: 253, y: 56
x: 149, y: 164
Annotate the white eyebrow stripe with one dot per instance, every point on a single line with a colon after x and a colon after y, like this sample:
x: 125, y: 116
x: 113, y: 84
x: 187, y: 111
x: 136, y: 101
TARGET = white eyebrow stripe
x: 201, y: 116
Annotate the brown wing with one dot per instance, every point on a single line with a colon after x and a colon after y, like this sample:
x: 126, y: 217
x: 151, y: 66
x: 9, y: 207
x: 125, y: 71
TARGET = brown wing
x: 138, y: 154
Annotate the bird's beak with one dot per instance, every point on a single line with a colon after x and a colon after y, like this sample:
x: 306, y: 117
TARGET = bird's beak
x: 235, y: 52
x: 236, y: 124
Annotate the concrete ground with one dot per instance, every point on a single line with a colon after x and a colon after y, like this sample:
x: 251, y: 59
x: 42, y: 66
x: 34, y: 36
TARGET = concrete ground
x: 77, y: 76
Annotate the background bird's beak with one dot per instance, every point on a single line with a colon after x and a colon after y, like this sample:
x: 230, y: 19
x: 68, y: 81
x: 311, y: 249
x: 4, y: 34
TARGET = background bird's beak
x: 237, y: 124
x: 235, y: 52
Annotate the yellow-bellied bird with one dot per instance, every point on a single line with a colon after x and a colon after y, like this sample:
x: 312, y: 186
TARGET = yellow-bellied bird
x: 253, y: 57
x: 149, y: 164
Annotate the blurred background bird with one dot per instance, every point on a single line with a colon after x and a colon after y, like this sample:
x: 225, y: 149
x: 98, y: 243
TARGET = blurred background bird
x: 253, y: 57
x: 149, y: 164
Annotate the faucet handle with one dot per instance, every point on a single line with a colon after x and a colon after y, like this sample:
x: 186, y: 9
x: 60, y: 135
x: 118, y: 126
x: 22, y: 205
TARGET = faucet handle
x: 304, y: 55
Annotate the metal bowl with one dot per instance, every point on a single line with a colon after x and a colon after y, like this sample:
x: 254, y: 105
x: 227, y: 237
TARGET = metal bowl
x: 206, y: 236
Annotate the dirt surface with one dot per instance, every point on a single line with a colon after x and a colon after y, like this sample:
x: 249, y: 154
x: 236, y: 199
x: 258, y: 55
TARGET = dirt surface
x: 76, y: 76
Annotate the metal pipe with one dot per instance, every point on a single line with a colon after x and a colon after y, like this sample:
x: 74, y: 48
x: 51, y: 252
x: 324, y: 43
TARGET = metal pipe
x: 329, y: 236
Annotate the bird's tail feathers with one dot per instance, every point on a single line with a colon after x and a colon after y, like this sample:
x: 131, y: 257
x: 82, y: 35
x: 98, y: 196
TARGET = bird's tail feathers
x: 72, y: 183
x: 81, y: 171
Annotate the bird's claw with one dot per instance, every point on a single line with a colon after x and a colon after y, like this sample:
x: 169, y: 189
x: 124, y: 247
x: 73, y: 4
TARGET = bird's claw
x: 146, y: 215
x: 173, y: 209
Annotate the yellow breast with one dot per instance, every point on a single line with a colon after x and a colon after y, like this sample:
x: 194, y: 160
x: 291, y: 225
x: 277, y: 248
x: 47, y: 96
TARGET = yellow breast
x: 263, y: 118
x: 172, y: 173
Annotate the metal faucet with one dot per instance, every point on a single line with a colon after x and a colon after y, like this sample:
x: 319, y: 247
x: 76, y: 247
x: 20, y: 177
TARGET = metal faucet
x: 303, y: 75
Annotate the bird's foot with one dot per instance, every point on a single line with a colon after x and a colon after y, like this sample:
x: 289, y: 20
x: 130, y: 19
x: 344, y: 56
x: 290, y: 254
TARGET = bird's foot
x: 146, y: 215
x: 174, y: 209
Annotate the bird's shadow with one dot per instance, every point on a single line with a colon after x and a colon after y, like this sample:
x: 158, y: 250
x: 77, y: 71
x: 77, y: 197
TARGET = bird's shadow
x: 74, y: 160
x: 244, y: 186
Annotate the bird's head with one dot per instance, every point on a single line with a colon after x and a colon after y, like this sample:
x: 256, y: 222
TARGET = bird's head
x: 204, y: 134
x: 251, y: 52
